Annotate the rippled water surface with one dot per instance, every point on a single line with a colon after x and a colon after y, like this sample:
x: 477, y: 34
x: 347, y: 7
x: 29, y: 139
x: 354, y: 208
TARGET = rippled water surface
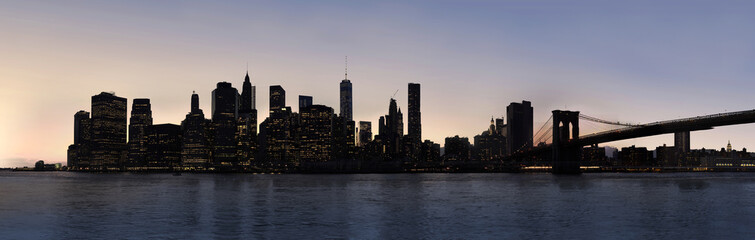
x: 64, y: 205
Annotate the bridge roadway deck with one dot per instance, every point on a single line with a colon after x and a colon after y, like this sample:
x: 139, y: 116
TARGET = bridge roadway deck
x: 671, y: 126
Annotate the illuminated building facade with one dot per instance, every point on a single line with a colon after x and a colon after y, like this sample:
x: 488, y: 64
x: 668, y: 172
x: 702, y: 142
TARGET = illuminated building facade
x: 456, y: 149
x: 141, y: 118
x: 490, y: 144
x: 246, y: 125
x: 316, y: 138
x: 277, y: 98
x: 108, y: 131
x: 163, y: 147
x: 225, y: 103
x: 195, y: 146
x: 279, y: 141
x: 79, y: 152
x: 365, y: 133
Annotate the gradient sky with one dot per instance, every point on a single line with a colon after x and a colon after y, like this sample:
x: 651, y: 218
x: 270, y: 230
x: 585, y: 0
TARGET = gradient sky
x: 632, y: 61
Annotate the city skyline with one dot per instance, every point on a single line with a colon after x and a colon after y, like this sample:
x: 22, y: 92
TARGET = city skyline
x: 672, y: 82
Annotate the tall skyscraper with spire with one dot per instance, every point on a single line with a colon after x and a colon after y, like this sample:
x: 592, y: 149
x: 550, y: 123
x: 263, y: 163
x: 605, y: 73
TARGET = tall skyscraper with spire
x: 246, y: 129
x: 346, y: 97
x: 246, y: 95
x: 248, y: 103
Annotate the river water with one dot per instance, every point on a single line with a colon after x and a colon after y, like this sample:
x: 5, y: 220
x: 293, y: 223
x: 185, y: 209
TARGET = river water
x: 68, y: 205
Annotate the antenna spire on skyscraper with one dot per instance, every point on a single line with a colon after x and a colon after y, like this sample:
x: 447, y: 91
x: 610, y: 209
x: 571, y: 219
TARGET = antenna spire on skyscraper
x: 346, y: 68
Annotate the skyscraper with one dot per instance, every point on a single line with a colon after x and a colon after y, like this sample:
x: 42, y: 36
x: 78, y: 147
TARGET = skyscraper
x: 456, y: 149
x: 247, y: 95
x: 392, y: 138
x: 304, y: 101
x: 365, y: 133
x: 246, y: 128
x: 81, y: 127
x: 163, y: 147
x: 519, y: 128
x: 225, y: 105
x: 415, y: 116
x: 382, y: 128
x: 346, y: 100
x: 278, y: 136
x: 79, y: 152
x: 400, y: 124
x: 108, y: 131
x: 141, y: 118
x: 316, y: 135
x: 277, y: 98
x: 489, y: 144
x: 195, y: 149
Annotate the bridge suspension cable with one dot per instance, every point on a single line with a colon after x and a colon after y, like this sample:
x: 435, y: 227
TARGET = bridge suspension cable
x: 545, y: 125
x: 598, y: 120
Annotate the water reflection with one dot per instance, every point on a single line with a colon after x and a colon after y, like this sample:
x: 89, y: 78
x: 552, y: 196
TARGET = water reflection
x: 382, y: 206
x: 692, y: 185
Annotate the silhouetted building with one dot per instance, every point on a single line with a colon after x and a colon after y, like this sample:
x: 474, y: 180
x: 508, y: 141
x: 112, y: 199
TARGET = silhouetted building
x: 519, y: 129
x: 500, y: 127
x: 280, y: 147
x: 304, y: 101
x: 344, y: 136
x: 81, y: 127
x: 108, y: 131
x: 635, y: 157
x: 365, y: 133
x: 346, y: 100
x: 246, y: 137
x: 391, y: 138
x: 316, y: 139
x: 247, y: 96
x: 163, y: 147
x: 415, y: 116
x: 279, y: 141
x: 682, y: 146
x: 79, y: 152
x: 594, y: 156
x: 382, y: 128
x: 400, y: 123
x: 195, y: 145
x: 456, y: 149
x: 141, y: 118
x: 681, y: 142
x: 246, y: 125
x: 489, y: 144
x: 225, y: 103
x: 429, y: 152
x: 277, y: 98
x: 667, y: 156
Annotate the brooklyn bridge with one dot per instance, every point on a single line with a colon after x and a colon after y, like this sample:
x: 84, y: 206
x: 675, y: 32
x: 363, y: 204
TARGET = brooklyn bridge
x: 560, y: 143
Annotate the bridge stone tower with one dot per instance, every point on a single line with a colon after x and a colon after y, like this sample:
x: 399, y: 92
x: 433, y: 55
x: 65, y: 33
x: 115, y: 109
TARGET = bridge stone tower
x: 566, y: 152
